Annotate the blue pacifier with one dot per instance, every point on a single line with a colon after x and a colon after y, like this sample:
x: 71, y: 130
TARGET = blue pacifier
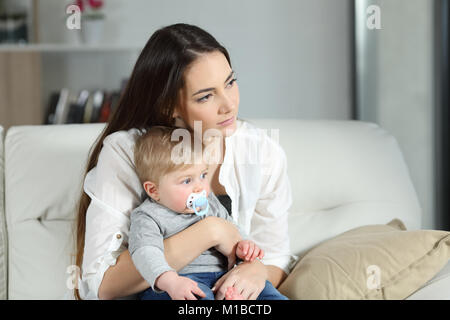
x: 198, y: 200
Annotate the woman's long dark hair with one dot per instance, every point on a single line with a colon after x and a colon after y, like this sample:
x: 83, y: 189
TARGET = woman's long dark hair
x: 151, y: 95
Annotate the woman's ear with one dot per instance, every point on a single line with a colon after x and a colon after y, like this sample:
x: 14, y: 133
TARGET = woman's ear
x: 151, y: 189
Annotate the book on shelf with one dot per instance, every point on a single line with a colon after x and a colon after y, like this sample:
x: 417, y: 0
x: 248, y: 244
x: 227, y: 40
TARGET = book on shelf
x: 76, y: 109
x: 51, y: 109
x: 88, y: 109
x: 85, y: 106
x: 61, y: 106
x: 105, y: 109
x: 97, y: 102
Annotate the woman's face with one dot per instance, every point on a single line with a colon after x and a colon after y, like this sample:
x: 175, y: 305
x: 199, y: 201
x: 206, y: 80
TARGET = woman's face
x: 211, y: 94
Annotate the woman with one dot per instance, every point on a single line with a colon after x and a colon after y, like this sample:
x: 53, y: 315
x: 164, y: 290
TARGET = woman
x: 182, y: 77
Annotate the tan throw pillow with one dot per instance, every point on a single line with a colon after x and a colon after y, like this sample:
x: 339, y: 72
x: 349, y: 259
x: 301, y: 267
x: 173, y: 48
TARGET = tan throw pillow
x: 369, y: 262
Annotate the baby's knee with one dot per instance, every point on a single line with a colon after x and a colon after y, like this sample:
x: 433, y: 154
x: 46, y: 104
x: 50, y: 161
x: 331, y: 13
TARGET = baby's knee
x: 207, y: 291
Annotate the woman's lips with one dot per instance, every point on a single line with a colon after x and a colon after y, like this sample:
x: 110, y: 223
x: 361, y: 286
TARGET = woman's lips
x: 226, y: 122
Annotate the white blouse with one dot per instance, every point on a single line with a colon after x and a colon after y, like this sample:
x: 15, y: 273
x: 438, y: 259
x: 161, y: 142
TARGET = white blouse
x: 254, y: 176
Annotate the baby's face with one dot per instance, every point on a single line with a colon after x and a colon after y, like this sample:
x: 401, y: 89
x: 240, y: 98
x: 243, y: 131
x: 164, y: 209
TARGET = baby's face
x: 175, y: 187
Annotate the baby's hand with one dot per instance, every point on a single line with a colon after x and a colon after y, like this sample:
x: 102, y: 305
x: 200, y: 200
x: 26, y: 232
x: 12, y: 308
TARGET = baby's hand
x: 247, y: 250
x: 179, y: 287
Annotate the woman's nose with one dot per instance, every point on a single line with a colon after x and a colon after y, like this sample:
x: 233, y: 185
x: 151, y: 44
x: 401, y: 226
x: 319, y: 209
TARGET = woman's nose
x: 227, y: 104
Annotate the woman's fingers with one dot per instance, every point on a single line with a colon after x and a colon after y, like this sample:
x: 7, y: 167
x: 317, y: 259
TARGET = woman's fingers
x: 218, y: 283
x: 246, y: 290
x: 253, y: 296
x: 246, y: 294
x: 222, y: 289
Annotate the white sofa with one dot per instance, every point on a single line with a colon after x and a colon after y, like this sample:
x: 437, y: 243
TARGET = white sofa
x: 343, y: 174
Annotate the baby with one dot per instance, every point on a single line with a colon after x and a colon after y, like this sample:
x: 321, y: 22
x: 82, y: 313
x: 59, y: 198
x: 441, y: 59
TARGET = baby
x: 178, y: 196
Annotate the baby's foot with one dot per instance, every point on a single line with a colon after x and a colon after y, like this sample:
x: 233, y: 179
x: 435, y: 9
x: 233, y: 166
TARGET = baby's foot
x: 231, y: 294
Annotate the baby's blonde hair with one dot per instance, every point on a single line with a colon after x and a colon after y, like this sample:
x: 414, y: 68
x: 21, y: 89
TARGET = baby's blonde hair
x: 153, y: 153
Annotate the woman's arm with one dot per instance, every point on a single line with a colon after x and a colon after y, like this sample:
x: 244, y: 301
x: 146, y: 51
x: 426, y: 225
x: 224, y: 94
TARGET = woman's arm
x: 275, y: 275
x: 123, y: 279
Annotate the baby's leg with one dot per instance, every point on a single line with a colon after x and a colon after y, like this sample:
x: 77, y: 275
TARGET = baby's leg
x: 149, y: 294
x: 270, y: 293
x: 207, y: 290
x: 203, y: 281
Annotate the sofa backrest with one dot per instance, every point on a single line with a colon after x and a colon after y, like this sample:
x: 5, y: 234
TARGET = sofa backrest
x: 43, y: 175
x: 3, y: 235
x: 343, y: 174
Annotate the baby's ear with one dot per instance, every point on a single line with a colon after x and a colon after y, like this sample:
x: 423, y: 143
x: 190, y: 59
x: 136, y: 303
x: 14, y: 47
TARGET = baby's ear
x: 151, y: 189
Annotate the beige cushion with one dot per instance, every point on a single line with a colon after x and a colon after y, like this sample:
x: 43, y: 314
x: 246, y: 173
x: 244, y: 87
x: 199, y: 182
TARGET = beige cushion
x: 369, y: 262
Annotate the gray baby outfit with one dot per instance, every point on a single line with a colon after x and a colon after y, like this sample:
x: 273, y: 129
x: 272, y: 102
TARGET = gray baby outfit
x: 151, y: 223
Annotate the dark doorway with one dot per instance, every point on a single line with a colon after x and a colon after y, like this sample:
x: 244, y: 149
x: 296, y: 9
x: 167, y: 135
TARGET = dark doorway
x: 442, y: 114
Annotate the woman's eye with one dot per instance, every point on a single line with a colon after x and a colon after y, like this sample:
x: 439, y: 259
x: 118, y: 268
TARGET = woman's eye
x: 204, y: 98
x: 203, y: 175
x: 231, y: 82
x: 186, y: 181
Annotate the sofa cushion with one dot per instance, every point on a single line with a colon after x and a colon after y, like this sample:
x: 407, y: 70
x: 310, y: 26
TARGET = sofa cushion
x: 438, y: 288
x: 44, y: 166
x: 369, y: 262
x: 3, y: 234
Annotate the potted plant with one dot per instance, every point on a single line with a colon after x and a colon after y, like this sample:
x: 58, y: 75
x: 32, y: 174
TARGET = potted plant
x: 92, y: 20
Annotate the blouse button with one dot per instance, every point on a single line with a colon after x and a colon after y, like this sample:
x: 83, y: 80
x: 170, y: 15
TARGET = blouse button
x: 118, y: 236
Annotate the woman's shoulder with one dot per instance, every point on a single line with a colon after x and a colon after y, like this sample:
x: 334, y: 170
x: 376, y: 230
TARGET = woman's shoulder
x: 122, y: 141
x: 122, y: 137
x: 118, y: 149
x: 115, y: 168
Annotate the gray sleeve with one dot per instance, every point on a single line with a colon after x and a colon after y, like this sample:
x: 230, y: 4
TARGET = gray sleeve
x: 146, y: 247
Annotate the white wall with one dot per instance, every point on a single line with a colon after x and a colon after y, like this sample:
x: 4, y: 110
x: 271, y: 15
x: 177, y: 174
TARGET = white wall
x: 400, y: 74
x: 291, y: 57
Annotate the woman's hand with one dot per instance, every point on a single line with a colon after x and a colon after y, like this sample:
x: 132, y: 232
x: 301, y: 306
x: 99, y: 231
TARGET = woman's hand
x: 248, y: 279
